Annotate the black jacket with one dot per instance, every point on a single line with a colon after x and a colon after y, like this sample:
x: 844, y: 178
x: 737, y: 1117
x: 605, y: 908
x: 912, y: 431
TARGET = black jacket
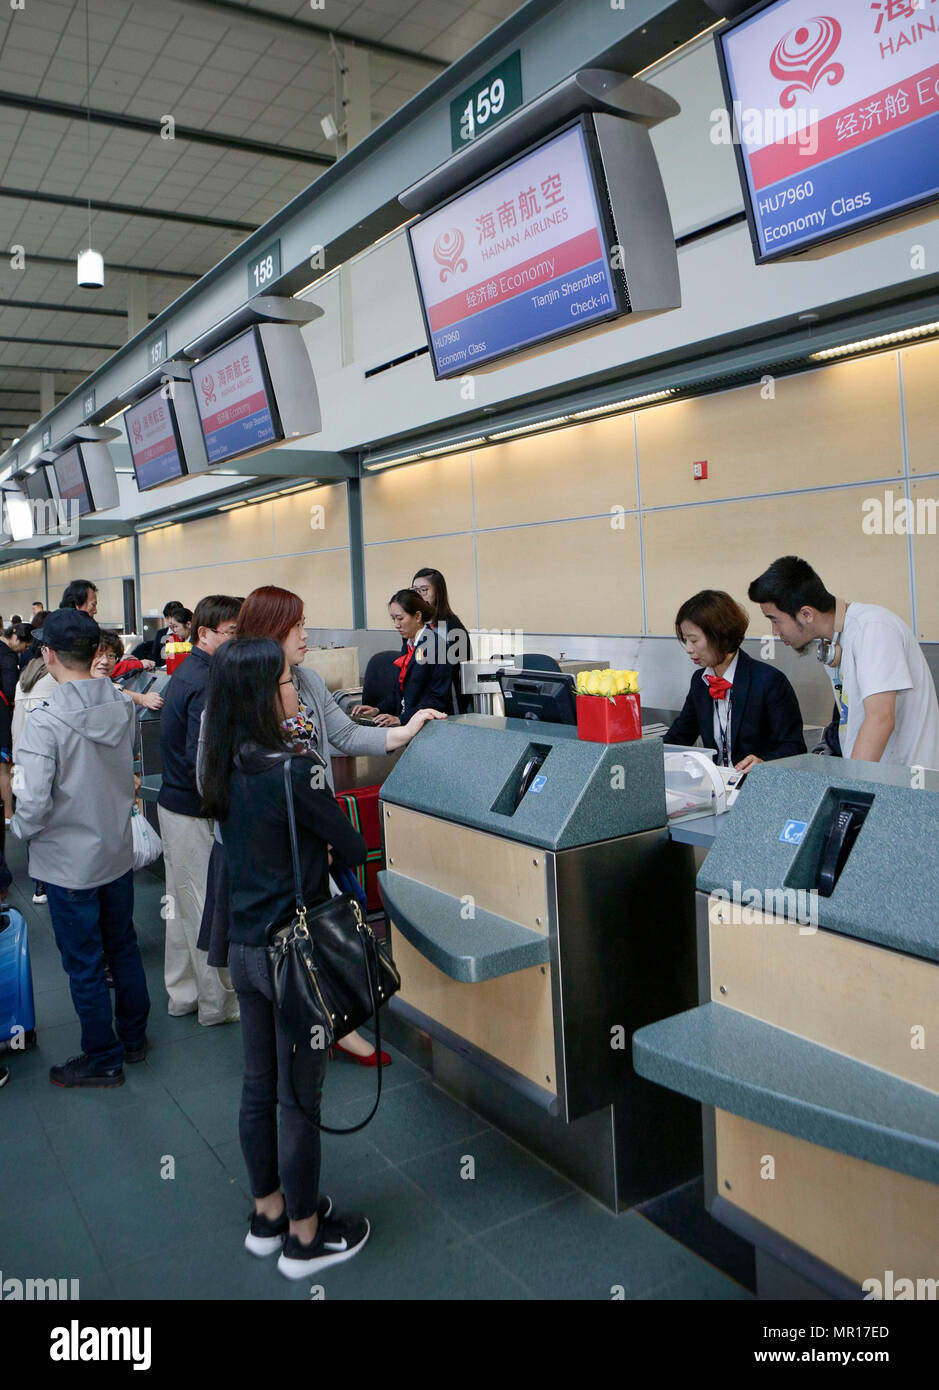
x: 428, y: 683
x: 765, y: 718
x: 183, y: 700
x: 257, y: 842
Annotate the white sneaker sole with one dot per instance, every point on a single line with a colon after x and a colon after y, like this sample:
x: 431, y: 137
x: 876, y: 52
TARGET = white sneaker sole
x: 263, y: 1245
x: 302, y: 1269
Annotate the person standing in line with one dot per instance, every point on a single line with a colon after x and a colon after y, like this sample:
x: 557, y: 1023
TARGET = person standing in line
x: 82, y: 595
x: 883, y: 687
x: 10, y: 648
x: 34, y: 688
x: 187, y: 833
x: 244, y: 752
x: 75, y: 789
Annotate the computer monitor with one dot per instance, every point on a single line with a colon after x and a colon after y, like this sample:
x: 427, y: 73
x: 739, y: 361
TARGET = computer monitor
x: 546, y: 696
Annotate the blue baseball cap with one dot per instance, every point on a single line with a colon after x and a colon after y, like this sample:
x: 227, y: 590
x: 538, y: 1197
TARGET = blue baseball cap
x: 63, y: 627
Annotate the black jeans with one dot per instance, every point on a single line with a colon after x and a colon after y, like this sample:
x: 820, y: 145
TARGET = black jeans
x: 272, y: 1071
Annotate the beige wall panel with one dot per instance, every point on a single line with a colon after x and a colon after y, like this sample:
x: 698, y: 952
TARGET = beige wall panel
x: 246, y: 533
x: 159, y: 549
x: 294, y: 531
x: 198, y: 541
x: 391, y: 567
x: 19, y: 586
x: 574, y: 576
x: 920, y: 374
x: 727, y: 546
x: 509, y: 1018
x: 580, y: 471
x: 239, y: 578
x: 926, y: 558
x: 834, y: 425
x: 503, y: 876
x: 855, y: 1216
x: 115, y: 559
x: 811, y: 983
x: 324, y: 583
x: 152, y: 589
x: 420, y: 499
x: 185, y: 585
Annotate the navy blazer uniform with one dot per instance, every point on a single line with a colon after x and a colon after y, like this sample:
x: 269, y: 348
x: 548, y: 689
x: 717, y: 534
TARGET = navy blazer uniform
x: 765, y: 718
x: 428, y: 681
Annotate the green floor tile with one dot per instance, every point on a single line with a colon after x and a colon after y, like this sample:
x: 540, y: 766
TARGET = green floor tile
x: 485, y: 1180
x: 577, y: 1249
x: 216, y: 1266
x: 706, y: 1284
x: 213, y: 1110
x: 203, y: 1058
x: 51, y: 1241
x: 126, y: 1138
x: 137, y: 1214
x: 413, y: 1120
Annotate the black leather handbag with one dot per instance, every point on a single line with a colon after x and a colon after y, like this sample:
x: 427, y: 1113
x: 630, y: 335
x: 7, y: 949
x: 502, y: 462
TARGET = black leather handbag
x: 328, y: 972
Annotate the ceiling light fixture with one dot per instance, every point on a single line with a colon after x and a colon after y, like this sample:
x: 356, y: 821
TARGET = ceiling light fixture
x: 90, y: 263
x: 530, y: 429
x: 622, y: 405
x: 902, y: 335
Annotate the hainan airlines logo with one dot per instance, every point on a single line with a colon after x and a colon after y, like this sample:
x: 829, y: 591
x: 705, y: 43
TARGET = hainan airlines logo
x: 207, y: 387
x: 803, y: 57
x: 138, y: 431
x: 448, y: 252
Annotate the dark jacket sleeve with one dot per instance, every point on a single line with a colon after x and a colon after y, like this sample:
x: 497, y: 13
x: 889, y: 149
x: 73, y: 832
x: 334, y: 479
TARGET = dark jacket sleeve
x: 783, y: 718
x: 319, y: 813
x: 9, y: 674
x: 195, y: 704
x: 685, y: 730
x: 6, y: 878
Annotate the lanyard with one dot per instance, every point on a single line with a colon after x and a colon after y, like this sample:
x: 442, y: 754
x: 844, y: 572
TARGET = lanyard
x: 724, y: 728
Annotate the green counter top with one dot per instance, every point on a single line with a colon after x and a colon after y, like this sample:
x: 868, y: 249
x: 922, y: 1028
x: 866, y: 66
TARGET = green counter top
x: 888, y: 892
x: 461, y: 769
x: 764, y: 1074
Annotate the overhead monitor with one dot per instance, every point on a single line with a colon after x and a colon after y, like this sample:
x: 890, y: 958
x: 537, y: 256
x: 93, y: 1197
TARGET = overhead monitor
x: 36, y: 485
x: 156, y: 447
x: 71, y: 479
x: 254, y: 391
x: 835, y: 116
x: 523, y: 255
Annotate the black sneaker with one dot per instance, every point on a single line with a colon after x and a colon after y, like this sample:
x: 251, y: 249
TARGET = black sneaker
x: 136, y: 1054
x: 266, y: 1237
x: 78, y: 1071
x: 336, y: 1240
x: 4, y: 1075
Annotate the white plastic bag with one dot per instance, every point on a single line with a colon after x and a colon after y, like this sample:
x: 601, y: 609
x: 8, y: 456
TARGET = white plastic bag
x: 147, y: 844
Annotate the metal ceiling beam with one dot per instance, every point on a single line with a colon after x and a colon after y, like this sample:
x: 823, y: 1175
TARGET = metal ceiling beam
x: 63, y: 308
x: 247, y: 14
x: 67, y: 111
x: 56, y: 342
x: 26, y: 195
x: 69, y: 263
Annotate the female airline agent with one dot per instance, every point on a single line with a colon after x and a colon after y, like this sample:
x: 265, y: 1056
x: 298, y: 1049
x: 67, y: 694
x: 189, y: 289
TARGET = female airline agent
x: 432, y: 587
x: 745, y: 709
x: 425, y: 679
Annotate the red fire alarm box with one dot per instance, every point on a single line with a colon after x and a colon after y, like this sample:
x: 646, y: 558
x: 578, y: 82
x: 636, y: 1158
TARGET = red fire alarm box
x: 700, y: 470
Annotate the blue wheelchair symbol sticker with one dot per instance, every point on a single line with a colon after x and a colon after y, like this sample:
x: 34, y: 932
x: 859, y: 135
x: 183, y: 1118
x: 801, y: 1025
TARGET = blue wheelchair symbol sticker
x: 793, y: 831
x: 538, y: 784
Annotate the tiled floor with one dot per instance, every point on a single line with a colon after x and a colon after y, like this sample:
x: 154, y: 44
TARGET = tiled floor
x: 85, y: 1190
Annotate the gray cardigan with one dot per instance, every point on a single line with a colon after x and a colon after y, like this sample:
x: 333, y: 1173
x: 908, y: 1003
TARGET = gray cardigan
x: 334, y: 729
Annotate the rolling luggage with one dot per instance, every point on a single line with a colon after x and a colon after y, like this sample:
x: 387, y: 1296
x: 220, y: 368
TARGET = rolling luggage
x: 361, y: 806
x: 17, y: 1013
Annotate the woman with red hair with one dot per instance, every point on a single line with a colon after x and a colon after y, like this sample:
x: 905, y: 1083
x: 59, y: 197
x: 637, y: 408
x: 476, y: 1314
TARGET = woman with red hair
x: 315, y: 721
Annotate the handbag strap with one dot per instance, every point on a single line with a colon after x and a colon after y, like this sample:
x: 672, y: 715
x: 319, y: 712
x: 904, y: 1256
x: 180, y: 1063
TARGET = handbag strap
x: 294, y: 846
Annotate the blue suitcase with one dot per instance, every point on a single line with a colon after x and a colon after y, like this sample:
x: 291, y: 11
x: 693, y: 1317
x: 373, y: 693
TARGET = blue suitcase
x: 17, y: 1012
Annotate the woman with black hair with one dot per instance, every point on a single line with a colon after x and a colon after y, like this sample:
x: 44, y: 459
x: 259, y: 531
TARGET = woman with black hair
x: 432, y: 587
x: 243, y: 789
x: 425, y: 678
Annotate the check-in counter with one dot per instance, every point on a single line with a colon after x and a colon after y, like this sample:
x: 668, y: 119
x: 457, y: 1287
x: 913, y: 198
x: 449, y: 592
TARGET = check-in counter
x: 814, y: 1046
x: 539, y: 913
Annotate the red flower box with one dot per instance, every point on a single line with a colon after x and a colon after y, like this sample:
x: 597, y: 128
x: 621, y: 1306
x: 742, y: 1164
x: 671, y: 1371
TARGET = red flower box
x: 601, y: 719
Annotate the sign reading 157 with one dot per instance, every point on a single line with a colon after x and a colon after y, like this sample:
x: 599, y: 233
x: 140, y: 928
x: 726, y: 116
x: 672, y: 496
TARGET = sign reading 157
x: 497, y: 93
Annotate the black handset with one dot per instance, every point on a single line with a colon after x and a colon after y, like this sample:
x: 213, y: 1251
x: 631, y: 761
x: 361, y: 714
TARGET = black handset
x: 529, y: 772
x: 846, y: 822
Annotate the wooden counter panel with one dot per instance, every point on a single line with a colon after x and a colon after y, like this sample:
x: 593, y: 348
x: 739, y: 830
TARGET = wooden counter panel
x: 862, y: 1000
x: 855, y: 1216
x: 509, y: 1018
x: 503, y: 876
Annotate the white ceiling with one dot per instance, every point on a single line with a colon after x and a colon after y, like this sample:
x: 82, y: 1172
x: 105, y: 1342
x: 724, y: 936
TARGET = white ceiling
x: 249, y: 79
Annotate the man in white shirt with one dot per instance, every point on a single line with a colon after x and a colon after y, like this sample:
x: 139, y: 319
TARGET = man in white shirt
x: 883, y: 686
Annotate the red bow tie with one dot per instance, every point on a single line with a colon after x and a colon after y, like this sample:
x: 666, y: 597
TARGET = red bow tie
x: 403, y: 662
x: 718, y: 687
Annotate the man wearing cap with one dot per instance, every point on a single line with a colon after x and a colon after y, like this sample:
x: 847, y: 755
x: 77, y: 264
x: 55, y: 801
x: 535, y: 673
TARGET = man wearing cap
x: 74, y: 783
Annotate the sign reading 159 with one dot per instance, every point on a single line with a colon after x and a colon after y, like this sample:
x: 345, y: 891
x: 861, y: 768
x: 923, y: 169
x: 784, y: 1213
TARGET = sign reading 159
x: 495, y: 94
x: 264, y: 269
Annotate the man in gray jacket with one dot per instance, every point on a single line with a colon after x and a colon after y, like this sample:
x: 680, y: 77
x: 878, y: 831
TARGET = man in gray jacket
x: 74, y: 784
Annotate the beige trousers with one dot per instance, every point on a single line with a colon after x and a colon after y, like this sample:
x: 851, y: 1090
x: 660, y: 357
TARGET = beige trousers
x: 191, y: 982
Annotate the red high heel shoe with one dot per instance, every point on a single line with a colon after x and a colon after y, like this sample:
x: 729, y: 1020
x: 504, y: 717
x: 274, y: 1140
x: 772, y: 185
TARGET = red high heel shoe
x: 370, y: 1061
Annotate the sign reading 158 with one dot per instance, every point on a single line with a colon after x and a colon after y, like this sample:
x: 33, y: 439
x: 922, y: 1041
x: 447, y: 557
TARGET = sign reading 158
x: 264, y: 269
x: 495, y: 94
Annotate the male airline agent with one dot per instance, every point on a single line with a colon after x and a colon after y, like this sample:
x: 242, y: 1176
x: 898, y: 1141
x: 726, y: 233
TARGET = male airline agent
x: 883, y: 687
